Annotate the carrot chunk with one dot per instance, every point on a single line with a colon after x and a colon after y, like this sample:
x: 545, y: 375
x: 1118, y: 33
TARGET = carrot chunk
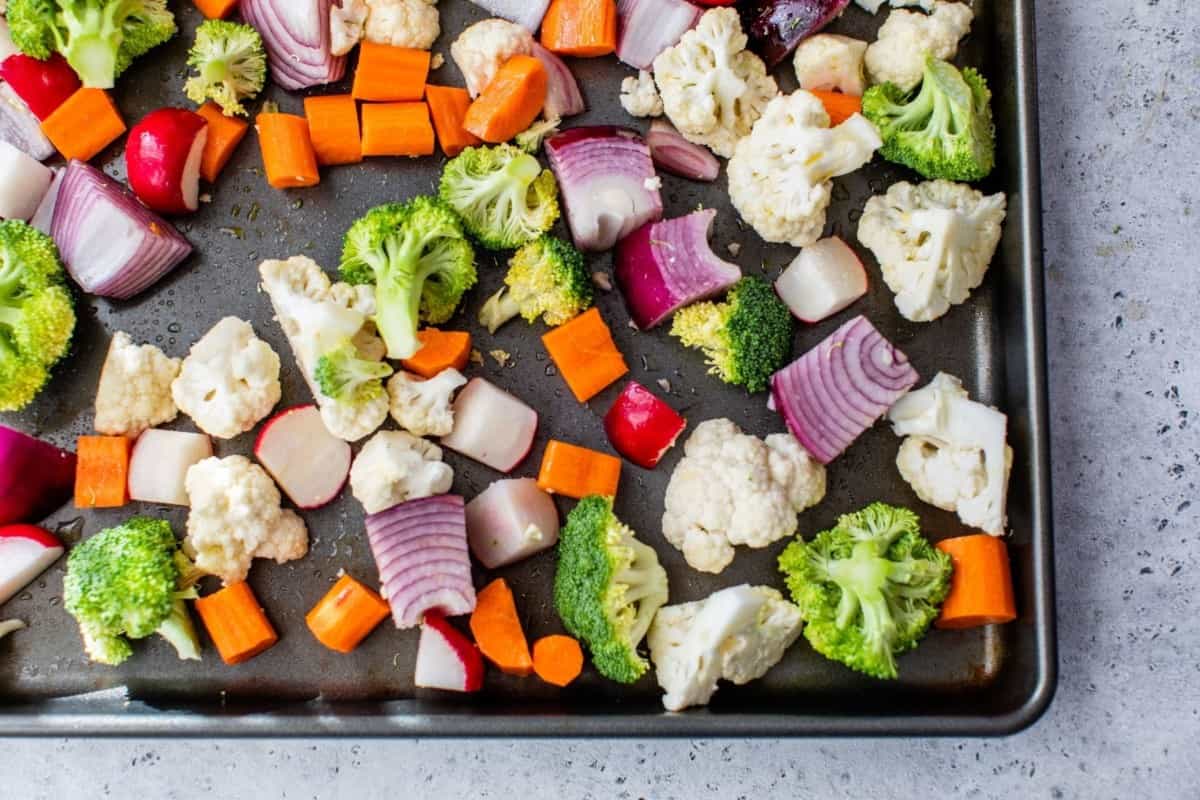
x: 390, y: 73
x: 216, y: 9
x: 981, y: 591
x: 333, y: 127
x: 346, y: 615
x: 287, y: 150
x: 585, y: 354
x: 583, y: 28
x: 439, y: 350
x: 397, y: 129
x: 102, y: 471
x: 497, y: 629
x: 840, y: 107
x: 557, y: 659
x: 236, y: 623
x: 578, y: 472
x: 448, y: 106
x: 511, y: 102
x: 224, y: 135
x: 86, y: 123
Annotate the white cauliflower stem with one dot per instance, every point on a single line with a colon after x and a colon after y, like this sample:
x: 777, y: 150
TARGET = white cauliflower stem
x: 934, y: 242
x: 780, y: 175
x: 955, y: 456
x: 732, y: 488
x: 424, y: 407
x: 229, y: 381
x: 827, y: 62
x: 394, y: 467
x: 736, y: 634
x: 898, y: 54
x: 235, y: 518
x: 639, y: 96
x: 713, y: 88
x: 135, y: 388
x: 482, y: 49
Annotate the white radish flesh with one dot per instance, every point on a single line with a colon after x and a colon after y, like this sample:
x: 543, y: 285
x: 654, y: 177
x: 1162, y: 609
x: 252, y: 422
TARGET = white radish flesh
x: 23, y: 183
x: 491, y: 426
x: 159, y: 463
x: 446, y: 659
x: 825, y: 278
x: 511, y: 520
x: 308, y: 462
x: 43, y: 218
x: 25, y: 553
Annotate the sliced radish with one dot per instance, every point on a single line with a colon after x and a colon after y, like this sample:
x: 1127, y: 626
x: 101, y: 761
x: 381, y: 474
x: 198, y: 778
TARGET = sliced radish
x: 162, y: 159
x: 825, y: 278
x: 159, y: 463
x: 446, y: 658
x: 511, y: 520
x: 309, y: 463
x: 23, y: 183
x: 26, y: 551
x: 491, y: 426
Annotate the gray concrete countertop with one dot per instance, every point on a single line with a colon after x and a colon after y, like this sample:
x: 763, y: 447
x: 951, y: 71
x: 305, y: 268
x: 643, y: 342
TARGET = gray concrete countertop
x: 1120, y: 110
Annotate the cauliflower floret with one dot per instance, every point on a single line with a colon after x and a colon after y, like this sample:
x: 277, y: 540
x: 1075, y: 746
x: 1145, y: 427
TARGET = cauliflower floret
x: 394, y: 467
x: 934, y: 242
x: 780, y: 175
x: 736, y: 634
x: 229, y: 381
x: 955, y: 456
x: 423, y: 407
x: 482, y: 49
x: 828, y: 61
x: 346, y: 22
x: 135, y: 388
x: 713, y: 88
x: 874, y: 5
x: 898, y: 54
x: 732, y: 488
x: 640, y: 97
x: 235, y: 518
x: 403, y: 23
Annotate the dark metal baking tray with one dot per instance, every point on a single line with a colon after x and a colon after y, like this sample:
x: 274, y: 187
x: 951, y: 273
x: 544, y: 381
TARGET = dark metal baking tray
x: 990, y: 680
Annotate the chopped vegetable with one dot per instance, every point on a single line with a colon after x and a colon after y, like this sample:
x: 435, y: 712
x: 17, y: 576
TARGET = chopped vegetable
x: 448, y: 106
x: 216, y: 9
x: 530, y: 140
x: 585, y: 354
x: 867, y: 588
x: 497, y: 629
x: 287, y: 150
x: 230, y: 63
x: 824, y: 278
x: 43, y: 217
x: 159, y: 464
x: 86, y: 123
x: 563, y: 98
x: 394, y: 467
x: 236, y: 623
x: 578, y: 472
x: 483, y: 47
x: 224, y: 135
x: 777, y: 26
x: 297, y: 37
x: 130, y: 582
x: 511, y: 102
x: 346, y: 615
x: 831, y: 62
x: 390, y: 73
x: 546, y: 278
x: 421, y: 550
x: 647, y: 27
x: 26, y: 551
x: 446, y: 659
x: 439, y: 350
x: 981, y: 591
x: 671, y: 150
x: 581, y: 28
x: 102, y: 471
x: 607, y: 588
x: 20, y: 128
x: 663, y: 266
x: 641, y: 427
x: 527, y: 13
x: 907, y: 38
x: 509, y: 521
x: 343, y: 374
x: 607, y: 182
x: 162, y: 159
x: 423, y: 406
x: 310, y: 464
x: 491, y: 426
x: 557, y: 659
x: 417, y: 256
x: 830, y: 395
x: 502, y: 193
x: 35, y: 477
x: 44, y: 85
x: 135, y: 388
x: 840, y: 107
x: 23, y: 183
x: 10, y: 626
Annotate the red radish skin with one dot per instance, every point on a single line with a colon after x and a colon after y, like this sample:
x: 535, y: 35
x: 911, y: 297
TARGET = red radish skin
x: 162, y: 159
x: 826, y: 277
x: 26, y: 551
x: 446, y: 658
x: 491, y: 426
x: 43, y: 85
x: 641, y: 427
x: 309, y: 463
x: 36, y: 477
x: 159, y: 463
x: 509, y: 521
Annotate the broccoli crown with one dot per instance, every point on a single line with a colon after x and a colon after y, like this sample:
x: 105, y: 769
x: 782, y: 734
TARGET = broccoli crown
x: 99, y: 38
x: 231, y: 65
x: 868, y: 588
x: 746, y: 339
x: 129, y: 582
x: 547, y: 278
x: 945, y: 130
x: 343, y: 375
x: 420, y: 261
x: 607, y: 588
x: 37, y: 314
x: 504, y: 196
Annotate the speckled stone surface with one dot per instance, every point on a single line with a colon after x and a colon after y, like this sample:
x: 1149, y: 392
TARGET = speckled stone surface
x: 1120, y: 114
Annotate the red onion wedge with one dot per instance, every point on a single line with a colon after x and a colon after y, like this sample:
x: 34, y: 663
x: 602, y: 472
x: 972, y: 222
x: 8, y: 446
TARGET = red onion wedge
x: 664, y: 266
x: 647, y: 27
x: 678, y: 156
x: 563, y: 98
x: 20, y: 127
x: 35, y: 477
x: 113, y: 245
x: 841, y: 387
x: 491, y: 426
x: 607, y: 181
x: 420, y: 548
x: 23, y: 183
x: 526, y: 13
x: 296, y: 36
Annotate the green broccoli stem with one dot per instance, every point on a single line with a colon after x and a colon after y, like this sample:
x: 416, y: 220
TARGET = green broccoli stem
x: 179, y: 631
x: 398, y: 289
x: 216, y: 71
x: 499, y: 309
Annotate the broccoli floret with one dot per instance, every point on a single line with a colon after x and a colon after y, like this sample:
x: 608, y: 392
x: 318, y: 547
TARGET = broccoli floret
x: 231, y: 63
x: 99, y: 38
x: 37, y: 314
x: 869, y: 588
x: 420, y: 261
x: 547, y: 278
x: 129, y: 582
x: 746, y: 339
x: 343, y: 375
x: 504, y: 196
x: 945, y: 130
x: 607, y: 588
x: 530, y: 140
